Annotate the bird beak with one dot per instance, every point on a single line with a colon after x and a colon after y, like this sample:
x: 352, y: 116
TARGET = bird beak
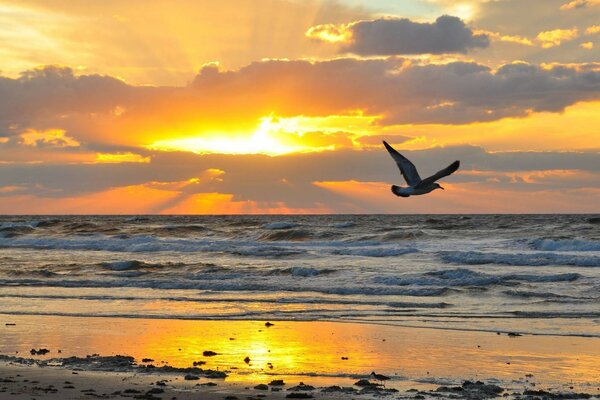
x: 442, y: 188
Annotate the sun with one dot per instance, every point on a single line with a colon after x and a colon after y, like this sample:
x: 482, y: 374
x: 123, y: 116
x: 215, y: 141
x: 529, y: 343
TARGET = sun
x: 262, y: 141
x: 274, y: 136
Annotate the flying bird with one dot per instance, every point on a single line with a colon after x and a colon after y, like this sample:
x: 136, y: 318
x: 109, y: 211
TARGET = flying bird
x: 416, y: 185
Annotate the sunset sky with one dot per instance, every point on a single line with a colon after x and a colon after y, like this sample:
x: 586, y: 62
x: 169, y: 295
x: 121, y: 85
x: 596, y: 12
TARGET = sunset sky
x: 280, y: 106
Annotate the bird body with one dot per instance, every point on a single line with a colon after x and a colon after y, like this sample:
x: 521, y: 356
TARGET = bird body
x: 416, y: 185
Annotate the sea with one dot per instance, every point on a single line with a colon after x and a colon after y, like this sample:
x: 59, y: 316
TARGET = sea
x: 523, y: 274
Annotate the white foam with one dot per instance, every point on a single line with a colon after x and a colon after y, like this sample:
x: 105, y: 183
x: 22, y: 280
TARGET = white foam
x: 347, y: 224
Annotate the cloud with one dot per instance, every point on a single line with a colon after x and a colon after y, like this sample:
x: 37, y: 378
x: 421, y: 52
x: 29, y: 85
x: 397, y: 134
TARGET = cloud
x: 375, y: 140
x: 573, y: 4
x: 401, y: 36
x: 185, y: 182
x: 101, y: 112
x: 507, y: 38
x: 52, y: 138
x: 556, y: 36
x: 592, y: 30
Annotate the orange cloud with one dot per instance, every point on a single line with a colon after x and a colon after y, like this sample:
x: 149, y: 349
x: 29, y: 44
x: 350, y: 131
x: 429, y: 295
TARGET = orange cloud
x: 46, y: 138
x: 556, y: 37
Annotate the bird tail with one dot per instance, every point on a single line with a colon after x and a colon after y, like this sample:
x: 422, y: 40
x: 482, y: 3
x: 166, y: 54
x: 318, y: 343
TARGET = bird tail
x: 396, y: 191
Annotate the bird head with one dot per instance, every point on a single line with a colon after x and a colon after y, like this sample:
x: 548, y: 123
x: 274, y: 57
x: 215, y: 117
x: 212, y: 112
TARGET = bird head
x: 437, y: 186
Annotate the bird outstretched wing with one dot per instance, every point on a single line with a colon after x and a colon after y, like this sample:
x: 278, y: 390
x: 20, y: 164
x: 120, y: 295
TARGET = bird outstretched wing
x: 408, y: 169
x: 439, y: 175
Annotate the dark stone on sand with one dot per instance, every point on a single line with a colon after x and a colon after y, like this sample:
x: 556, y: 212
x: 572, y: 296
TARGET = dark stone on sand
x: 302, y: 387
x: 209, y: 353
x: 39, y: 352
x: 155, y: 391
x: 261, y: 386
x: 147, y: 360
x: 196, y: 363
x: 363, y: 383
x: 211, y: 374
x: 514, y: 334
x: 560, y: 396
x: 10, y: 324
x: 132, y: 391
x: 295, y: 395
x: 190, y: 377
x: 268, y: 324
x: 344, y: 358
x: 277, y: 382
x: 207, y: 384
x: 479, y: 390
x: 247, y: 360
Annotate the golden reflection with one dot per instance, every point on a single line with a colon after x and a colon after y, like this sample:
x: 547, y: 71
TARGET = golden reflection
x: 314, y: 348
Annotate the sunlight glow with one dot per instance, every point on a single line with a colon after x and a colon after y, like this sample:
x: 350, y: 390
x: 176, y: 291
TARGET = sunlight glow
x: 277, y: 136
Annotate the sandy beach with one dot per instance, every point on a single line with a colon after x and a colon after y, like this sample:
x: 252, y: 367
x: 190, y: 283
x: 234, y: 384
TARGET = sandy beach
x: 326, y: 359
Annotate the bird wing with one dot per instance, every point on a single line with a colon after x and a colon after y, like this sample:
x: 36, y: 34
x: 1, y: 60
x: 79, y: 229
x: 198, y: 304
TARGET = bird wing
x: 408, y: 169
x: 439, y: 175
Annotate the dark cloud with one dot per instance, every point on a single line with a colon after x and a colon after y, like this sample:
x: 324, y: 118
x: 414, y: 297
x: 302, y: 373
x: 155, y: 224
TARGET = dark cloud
x: 54, y: 91
x: 104, y: 111
x: 290, y: 178
x: 402, y: 36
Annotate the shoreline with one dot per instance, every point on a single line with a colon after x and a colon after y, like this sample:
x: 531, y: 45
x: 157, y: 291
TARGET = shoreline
x: 320, y: 353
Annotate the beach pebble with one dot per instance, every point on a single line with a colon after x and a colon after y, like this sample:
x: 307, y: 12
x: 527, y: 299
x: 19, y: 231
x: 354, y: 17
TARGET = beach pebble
x: 261, y: 386
x: 190, y: 377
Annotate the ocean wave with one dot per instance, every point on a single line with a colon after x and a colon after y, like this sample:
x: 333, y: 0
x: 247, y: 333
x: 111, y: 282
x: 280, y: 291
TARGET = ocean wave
x: 451, y: 278
x: 150, y: 244
x: 346, y: 224
x: 524, y: 259
x: 565, y: 245
x: 290, y: 235
x: 180, y: 229
x: 301, y: 271
x: 220, y: 284
x: 14, y: 231
x: 528, y: 294
x: 129, y: 265
x: 402, y: 235
x: 280, y: 225
x: 464, y: 277
x: 374, y: 252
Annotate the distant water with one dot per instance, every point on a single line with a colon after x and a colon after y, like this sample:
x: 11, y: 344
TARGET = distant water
x: 526, y: 273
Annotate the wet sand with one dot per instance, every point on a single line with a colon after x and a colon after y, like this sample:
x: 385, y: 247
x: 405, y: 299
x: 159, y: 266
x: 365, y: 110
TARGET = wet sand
x: 249, y: 353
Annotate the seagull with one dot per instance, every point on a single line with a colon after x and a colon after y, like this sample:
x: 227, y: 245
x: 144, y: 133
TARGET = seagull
x: 380, y: 378
x: 416, y: 185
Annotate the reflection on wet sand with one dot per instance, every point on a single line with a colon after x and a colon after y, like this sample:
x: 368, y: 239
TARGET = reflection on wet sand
x: 323, y: 350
